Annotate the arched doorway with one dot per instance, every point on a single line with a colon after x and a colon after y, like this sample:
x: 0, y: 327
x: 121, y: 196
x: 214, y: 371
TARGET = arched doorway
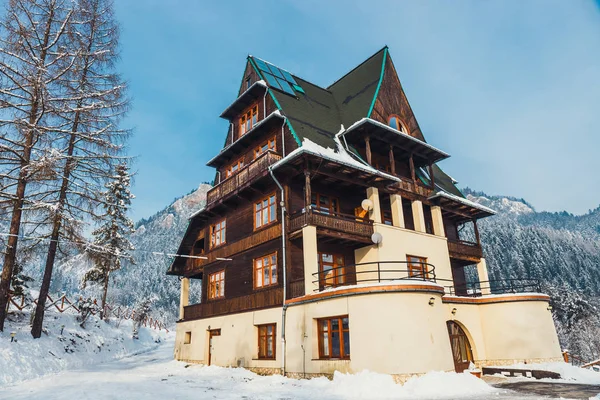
x: 461, y: 348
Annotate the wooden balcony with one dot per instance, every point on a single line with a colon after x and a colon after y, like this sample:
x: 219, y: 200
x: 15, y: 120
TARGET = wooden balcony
x: 194, y: 265
x: 407, y: 185
x: 333, y: 222
x: 255, y: 301
x: 464, y: 250
x: 243, y: 178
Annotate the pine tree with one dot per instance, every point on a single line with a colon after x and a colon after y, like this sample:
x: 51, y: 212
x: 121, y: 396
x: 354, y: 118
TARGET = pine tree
x: 111, y: 245
x: 92, y: 141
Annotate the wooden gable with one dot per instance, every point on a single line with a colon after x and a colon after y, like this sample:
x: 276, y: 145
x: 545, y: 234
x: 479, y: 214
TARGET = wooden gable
x: 391, y: 100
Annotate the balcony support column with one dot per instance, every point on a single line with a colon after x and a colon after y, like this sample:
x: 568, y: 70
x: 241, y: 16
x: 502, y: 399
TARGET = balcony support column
x: 411, y: 163
x: 482, y: 271
x: 392, y: 162
x: 397, y: 211
x: 476, y: 230
x: 184, y: 296
x: 431, y: 177
x: 307, y: 190
x: 438, y: 221
x: 368, y: 149
x: 375, y: 213
x: 311, y: 258
x: 418, y: 215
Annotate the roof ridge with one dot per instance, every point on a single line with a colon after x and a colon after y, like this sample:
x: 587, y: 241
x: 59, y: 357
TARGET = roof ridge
x: 359, y: 65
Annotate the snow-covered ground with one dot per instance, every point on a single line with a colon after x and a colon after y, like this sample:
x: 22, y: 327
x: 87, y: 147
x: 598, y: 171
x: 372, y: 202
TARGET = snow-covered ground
x: 568, y: 372
x: 74, y: 347
x: 154, y: 375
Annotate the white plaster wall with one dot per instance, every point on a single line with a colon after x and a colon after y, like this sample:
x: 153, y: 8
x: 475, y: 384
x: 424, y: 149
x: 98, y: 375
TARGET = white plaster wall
x: 508, y: 332
x: 238, y: 341
x: 394, y: 333
x: 399, y: 242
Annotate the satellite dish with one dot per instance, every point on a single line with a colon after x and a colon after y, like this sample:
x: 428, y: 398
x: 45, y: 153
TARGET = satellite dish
x: 376, y: 238
x: 367, y: 205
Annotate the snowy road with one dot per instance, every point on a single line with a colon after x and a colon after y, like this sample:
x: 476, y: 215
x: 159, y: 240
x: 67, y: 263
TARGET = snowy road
x: 154, y: 375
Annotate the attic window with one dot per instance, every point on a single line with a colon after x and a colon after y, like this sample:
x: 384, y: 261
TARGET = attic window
x: 248, y: 82
x: 395, y: 122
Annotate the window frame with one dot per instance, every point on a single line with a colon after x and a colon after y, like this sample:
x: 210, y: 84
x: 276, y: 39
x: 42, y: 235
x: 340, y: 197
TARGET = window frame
x: 263, y: 340
x: 187, y: 337
x: 420, y: 266
x: 222, y: 228
x: 248, y: 119
x: 317, y: 201
x: 400, y: 121
x: 240, y: 165
x: 213, y: 292
x: 271, y: 218
x: 254, y: 271
x: 339, y: 271
x: 341, y: 331
x: 258, y: 149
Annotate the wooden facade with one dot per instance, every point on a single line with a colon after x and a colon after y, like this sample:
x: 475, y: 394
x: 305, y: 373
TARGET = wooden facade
x: 318, y: 192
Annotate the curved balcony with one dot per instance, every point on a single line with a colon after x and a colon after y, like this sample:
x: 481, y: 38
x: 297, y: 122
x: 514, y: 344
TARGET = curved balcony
x: 373, y: 273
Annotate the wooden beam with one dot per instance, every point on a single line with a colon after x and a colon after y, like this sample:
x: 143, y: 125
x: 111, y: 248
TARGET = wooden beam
x: 392, y: 162
x: 411, y: 163
x: 431, y: 177
x: 368, y: 149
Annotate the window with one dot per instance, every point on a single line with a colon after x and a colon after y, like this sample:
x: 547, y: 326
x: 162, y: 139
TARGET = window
x: 268, y: 145
x: 248, y: 120
x: 266, y: 341
x: 187, y: 339
x: 331, y: 270
x: 216, y: 285
x: 395, y: 122
x: 217, y: 234
x: 334, y: 337
x: 409, y: 221
x: 265, y: 211
x: 428, y: 219
x: 386, y: 209
x: 265, y: 271
x: 417, y: 267
x: 234, y: 168
x: 325, y: 204
x: 248, y: 82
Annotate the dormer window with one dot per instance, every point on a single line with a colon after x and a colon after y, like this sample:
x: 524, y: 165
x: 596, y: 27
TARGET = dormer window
x: 395, y: 122
x: 248, y: 82
x: 248, y: 119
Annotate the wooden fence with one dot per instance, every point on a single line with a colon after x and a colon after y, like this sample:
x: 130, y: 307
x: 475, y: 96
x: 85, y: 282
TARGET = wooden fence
x: 63, y: 304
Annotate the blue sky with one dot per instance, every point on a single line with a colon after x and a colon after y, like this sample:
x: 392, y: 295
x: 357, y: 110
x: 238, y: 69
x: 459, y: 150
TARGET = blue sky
x: 511, y: 89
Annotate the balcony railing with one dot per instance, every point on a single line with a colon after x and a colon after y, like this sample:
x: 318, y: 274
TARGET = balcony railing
x: 373, y: 272
x: 253, y: 170
x: 463, y: 249
x: 498, y: 286
x: 335, y: 221
x: 417, y: 187
x: 254, y: 301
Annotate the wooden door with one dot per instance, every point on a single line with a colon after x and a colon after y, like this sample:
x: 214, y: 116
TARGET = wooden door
x: 212, y: 333
x: 461, y: 348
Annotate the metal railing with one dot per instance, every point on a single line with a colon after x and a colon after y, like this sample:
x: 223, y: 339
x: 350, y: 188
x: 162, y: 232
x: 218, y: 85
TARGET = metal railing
x: 372, y: 272
x: 497, y: 286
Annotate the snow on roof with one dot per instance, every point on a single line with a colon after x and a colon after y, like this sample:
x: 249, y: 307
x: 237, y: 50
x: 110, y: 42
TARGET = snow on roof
x: 254, y: 127
x: 197, y: 212
x: 389, y: 128
x: 257, y: 83
x: 339, y: 155
x: 463, y: 201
